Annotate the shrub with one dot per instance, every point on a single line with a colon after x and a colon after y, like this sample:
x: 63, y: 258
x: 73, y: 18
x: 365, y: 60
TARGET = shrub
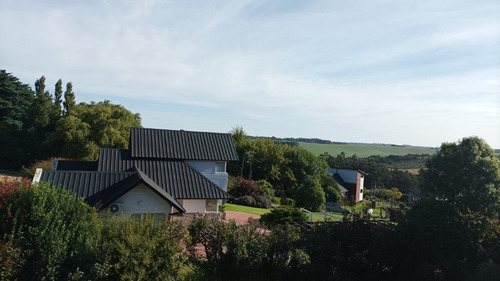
x: 245, y: 201
x: 266, y: 189
x: 57, y: 233
x: 242, y: 187
x: 263, y: 202
x: 142, y: 249
x: 230, y: 251
x: 283, y: 214
x: 276, y: 200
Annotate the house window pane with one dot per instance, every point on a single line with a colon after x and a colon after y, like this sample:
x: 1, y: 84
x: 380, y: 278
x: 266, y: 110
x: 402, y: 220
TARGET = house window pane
x: 211, y: 205
x: 220, y: 167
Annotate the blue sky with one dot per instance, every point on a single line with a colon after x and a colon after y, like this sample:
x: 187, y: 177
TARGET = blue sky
x: 402, y: 72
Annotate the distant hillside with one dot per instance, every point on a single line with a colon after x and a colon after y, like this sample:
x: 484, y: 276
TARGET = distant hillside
x: 365, y: 150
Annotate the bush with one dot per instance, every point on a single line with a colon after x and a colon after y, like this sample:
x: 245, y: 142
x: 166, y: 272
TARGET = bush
x: 245, y: 201
x: 266, y: 189
x: 283, y: 214
x: 242, y: 187
x: 231, y: 251
x: 142, y: 249
x: 57, y: 233
x: 263, y: 202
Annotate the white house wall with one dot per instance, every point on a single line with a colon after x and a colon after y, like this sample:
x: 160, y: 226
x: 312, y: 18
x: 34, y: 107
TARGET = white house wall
x: 361, y: 187
x: 141, y: 199
x: 207, y: 168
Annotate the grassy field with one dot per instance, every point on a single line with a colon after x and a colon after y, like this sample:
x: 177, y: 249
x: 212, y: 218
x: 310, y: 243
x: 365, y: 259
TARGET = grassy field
x: 364, y: 150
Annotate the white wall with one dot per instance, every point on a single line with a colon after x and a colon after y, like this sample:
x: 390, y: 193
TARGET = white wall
x: 207, y: 168
x: 141, y: 199
x: 361, y: 187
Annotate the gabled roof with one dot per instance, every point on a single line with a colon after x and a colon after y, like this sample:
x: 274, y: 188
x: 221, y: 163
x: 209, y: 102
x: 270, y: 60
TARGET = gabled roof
x: 342, y: 184
x: 181, y: 145
x: 175, y: 177
x: 102, y: 188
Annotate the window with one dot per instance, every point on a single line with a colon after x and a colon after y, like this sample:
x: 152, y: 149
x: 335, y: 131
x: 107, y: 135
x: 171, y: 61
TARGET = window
x: 211, y: 205
x: 220, y: 167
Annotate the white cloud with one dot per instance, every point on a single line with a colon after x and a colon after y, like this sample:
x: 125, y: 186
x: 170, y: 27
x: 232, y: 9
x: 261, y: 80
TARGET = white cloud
x: 406, y: 72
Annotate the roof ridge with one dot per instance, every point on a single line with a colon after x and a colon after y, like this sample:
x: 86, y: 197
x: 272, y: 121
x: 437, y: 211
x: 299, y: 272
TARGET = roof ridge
x: 180, y: 130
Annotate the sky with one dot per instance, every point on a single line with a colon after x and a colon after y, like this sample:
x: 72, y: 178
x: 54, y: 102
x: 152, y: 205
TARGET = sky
x: 396, y: 71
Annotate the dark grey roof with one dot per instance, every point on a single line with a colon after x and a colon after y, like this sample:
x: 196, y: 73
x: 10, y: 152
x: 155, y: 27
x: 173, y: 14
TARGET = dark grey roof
x: 175, y: 177
x: 102, y: 188
x: 184, y: 145
x: 342, y: 184
x: 69, y: 165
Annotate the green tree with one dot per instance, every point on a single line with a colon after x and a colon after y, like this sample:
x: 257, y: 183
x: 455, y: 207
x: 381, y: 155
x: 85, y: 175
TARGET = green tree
x: 58, y: 99
x: 331, y: 188
x: 467, y: 174
x: 310, y: 194
x: 16, y: 100
x: 89, y: 127
x: 69, y: 99
x: 43, y: 105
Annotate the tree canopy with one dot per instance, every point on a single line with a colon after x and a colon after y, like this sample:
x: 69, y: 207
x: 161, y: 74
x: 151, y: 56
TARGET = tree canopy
x: 35, y: 127
x: 89, y: 127
x: 466, y: 173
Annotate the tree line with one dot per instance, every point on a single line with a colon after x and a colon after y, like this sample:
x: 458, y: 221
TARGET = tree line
x: 36, y: 125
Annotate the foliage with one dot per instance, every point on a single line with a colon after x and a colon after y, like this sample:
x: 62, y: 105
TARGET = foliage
x: 331, y: 189
x: 87, y: 127
x: 310, y: 195
x: 246, y: 200
x: 441, y: 237
x: 468, y: 173
x: 11, y: 262
x: 266, y: 189
x: 348, y: 250
x: 242, y: 187
x: 283, y: 214
x: 263, y: 202
x: 233, y: 252
x: 16, y: 100
x: 142, y: 249
x: 43, y: 164
x: 56, y: 232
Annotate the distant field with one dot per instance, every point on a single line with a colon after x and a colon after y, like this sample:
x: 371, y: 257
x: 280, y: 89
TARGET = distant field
x: 364, y: 150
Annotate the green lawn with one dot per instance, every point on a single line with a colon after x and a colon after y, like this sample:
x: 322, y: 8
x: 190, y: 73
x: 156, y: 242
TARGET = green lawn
x: 364, y: 150
x: 246, y: 209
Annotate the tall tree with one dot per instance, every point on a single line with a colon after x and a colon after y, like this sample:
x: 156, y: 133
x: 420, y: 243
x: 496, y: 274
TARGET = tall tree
x: 16, y: 100
x: 58, y: 98
x: 89, y: 127
x: 69, y: 99
x: 43, y: 104
x: 467, y: 174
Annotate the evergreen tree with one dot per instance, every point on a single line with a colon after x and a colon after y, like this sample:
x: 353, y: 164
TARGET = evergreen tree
x: 69, y: 99
x: 58, y: 99
x: 43, y: 104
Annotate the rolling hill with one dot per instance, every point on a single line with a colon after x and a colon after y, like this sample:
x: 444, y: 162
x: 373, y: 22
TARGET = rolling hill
x: 365, y: 150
